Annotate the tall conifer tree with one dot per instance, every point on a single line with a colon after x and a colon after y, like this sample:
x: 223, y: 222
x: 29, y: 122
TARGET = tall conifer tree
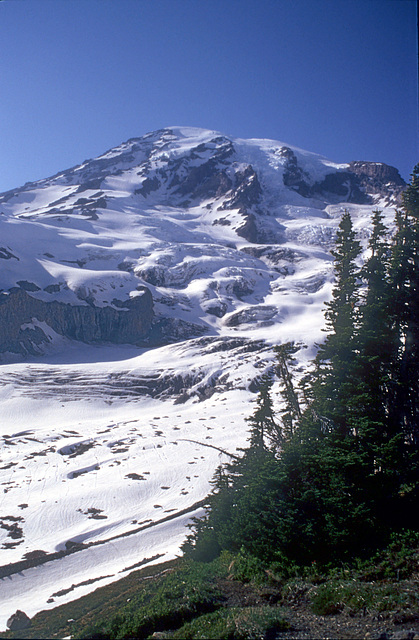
x: 336, y: 357
x: 405, y: 312
x: 263, y: 426
x: 376, y: 342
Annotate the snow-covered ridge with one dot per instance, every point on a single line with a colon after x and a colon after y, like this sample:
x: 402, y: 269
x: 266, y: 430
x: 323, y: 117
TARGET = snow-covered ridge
x: 146, y: 213
x: 140, y: 295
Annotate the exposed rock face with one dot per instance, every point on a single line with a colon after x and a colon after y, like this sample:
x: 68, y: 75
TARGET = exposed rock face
x: 245, y: 196
x: 342, y: 186
x: 358, y: 184
x: 294, y: 176
x: 261, y: 315
x: 247, y: 190
x: 248, y: 230
x: 204, y: 181
x: 149, y: 185
x: 18, y: 621
x: 184, y: 177
x: 21, y: 318
x: 378, y: 178
x: 377, y: 171
x: 362, y: 181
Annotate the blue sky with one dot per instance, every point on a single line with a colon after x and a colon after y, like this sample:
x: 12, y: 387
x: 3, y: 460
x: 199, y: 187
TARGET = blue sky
x: 77, y: 77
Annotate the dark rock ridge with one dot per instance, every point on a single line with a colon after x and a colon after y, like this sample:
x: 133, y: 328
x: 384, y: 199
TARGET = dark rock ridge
x: 245, y: 196
x: 359, y: 183
x: 378, y: 178
x: 183, y: 176
x: 21, y: 316
x: 294, y: 177
x: 209, y: 179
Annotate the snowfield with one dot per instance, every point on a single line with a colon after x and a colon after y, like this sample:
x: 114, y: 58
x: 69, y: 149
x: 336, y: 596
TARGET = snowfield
x: 107, y: 450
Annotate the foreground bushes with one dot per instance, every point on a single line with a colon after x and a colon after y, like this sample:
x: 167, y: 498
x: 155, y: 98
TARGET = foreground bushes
x: 196, y: 600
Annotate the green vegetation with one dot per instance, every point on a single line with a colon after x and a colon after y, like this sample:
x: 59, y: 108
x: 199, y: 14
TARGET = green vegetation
x: 335, y: 596
x: 335, y: 474
x: 236, y: 623
x: 184, y: 593
x: 239, y: 596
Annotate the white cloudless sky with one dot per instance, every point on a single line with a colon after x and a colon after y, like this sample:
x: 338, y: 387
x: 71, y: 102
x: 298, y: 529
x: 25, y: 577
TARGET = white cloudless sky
x: 77, y: 77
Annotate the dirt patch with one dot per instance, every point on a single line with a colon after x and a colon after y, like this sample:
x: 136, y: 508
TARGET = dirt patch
x: 305, y: 625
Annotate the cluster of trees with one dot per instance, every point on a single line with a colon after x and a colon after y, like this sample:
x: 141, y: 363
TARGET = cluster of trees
x: 335, y: 472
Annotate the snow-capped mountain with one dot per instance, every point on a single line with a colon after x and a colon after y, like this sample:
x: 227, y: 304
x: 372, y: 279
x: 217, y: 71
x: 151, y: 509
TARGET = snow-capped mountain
x: 140, y: 295
x: 177, y: 234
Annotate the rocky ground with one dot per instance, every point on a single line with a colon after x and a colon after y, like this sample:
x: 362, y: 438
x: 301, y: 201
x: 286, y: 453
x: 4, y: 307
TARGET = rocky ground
x: 304, y: 624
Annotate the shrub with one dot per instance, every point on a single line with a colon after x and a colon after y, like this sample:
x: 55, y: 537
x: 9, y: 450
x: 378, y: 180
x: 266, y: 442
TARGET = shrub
x: 166, y: 604
x: 326, y: 600
x: 238, y: 623
x: 247, y: 568
x: 355, y: 596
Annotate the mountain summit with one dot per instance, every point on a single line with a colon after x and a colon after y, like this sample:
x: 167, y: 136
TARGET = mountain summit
x: 180, y: 233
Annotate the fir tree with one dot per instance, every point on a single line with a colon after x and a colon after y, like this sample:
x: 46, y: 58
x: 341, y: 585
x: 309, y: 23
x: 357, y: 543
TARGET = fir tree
x: 402, y: 452
x: 291, y: 414
x: 335, y: 359
x: 263, y: 426
x: 405, y: 312
x: 376, y: 341
x: 343, y: 473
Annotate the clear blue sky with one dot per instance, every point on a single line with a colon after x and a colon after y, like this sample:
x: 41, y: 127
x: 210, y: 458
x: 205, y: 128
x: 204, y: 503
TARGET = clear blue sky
x: 77, y: 77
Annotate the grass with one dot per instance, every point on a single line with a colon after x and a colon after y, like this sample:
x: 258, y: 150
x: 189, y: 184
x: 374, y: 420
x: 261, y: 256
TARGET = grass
x: 232, y: 597
x: 166, y: 603
x: 355, y: 597
x: 103, y: 603
x: 236, y: 623
x: 376, y: 585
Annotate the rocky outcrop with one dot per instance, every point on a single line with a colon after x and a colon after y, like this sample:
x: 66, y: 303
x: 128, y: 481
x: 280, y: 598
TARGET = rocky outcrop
x: 246, y: 192
x: 359, y: 183
x: 191, y: 180
x: 261, y: 316
x: 341, y: 186
x: 294, y: 177
x: 148, y: 186
x: 18, y: 621
x: 204, y: 182
x: 24, y: 321
x: 378, y: 178
x: 245, y: 195
x: 248, y: 230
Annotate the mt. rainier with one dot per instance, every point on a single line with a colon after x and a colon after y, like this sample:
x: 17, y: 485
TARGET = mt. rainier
x: 220, y: 232
x: 140, y: 295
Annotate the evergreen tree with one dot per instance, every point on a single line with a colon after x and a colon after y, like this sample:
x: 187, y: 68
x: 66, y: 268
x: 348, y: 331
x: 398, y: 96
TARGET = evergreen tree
x: 263, y: 426
x: 405, y: 313
x: 342, y: 474
x: 403, y: 451
x: 291, y: 414
x: 333, y: 385
x: 376, y: 342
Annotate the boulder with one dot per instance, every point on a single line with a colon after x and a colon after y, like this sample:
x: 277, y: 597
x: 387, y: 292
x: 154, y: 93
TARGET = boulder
x: 18, y: 621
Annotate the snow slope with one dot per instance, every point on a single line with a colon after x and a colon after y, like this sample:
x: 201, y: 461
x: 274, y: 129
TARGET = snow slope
x: 106, y: 450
